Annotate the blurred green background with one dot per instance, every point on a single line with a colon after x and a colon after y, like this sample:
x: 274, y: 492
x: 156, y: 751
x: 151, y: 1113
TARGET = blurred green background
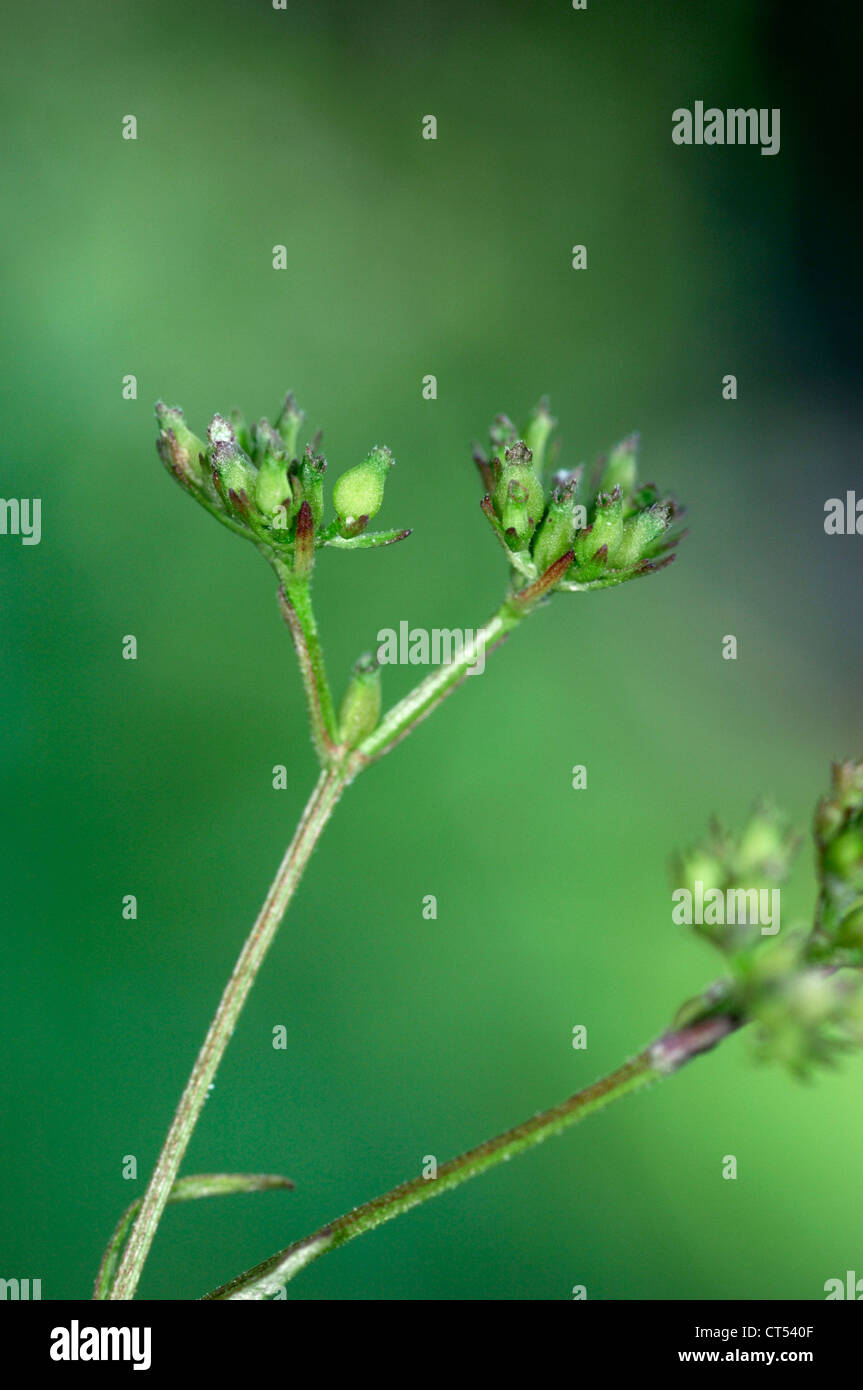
x: 406, y: 257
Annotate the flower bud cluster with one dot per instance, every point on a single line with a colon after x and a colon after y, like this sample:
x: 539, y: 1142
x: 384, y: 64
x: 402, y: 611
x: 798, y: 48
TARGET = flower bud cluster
x: 806, y: 1007
x: 256, y: 480
x: 559, y: 534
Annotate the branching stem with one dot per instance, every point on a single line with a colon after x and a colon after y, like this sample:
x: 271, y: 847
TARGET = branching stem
x: 339, y: 767
x: 663, y: 1057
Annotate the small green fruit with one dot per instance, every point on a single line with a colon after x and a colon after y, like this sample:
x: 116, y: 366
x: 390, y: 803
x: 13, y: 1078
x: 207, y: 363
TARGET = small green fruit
x: 361, y: 706
x: 360, y: 491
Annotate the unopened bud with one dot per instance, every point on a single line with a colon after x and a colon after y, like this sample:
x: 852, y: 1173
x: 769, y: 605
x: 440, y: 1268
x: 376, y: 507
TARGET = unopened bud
x: 266, y: 440
x: 273, y: 492
x: 288, y: 424
x: 604, y: 533
x: 515, y: 516
x: 554, y: 537
x: 361, y: 706
x: 608, y: 521
x: 765, y: 848
x: 360, y: 491
x: 311, y: 477
x: 699, y: 865
x: 233, y: 471
x: 639, y: 534
x: 181, y: 451
x: 518, y: 496
x: 274, y: 495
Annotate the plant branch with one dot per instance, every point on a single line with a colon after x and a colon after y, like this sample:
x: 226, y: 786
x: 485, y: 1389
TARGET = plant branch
x: 425, y: 697
x: 339, y: 767
x: 663, y: 1057
x: 243, y: 495
x: 295, y: 602
x: 184, y: 1190
x: 315, y: 816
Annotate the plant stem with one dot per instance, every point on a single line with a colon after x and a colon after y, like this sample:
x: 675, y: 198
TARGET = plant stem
x: 184, y: 1189
x: 425, y: 697
x: 339, y: 767
x: 295, y: 601
x: 315, y: 816
x: 663, y: 1057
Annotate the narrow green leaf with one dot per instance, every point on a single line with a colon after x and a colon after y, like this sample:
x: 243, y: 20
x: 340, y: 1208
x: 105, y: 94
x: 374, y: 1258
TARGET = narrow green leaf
x: 367, y: 540
x: 184, y: 1190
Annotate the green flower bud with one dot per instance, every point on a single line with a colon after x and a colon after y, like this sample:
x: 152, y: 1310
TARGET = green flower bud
x: 621, y: 467
x: 806, y: 1019
x: 626, y: 537
x: 288, y: 424
x: 514, y: 515
x: 312, y: 470
x: 274, y: 495
x: 273, y: 490
x: 518, y: 497
x: 813, y: 998
x: 361, y: 706
x: 640, y: 533
x: 591, y: 560
x: 181, y: 451
x: 605, y: 532
x: 761, y: 854
x: 266, y: 440
x: 234, y: 482
x: 765, y: 848
x: 554, y: 537
x: 360, y: 491
x: 233, y: 471
x: 220, y: 431
x: 608, y: 521
x: 538, y: 432
x: 700, y: 865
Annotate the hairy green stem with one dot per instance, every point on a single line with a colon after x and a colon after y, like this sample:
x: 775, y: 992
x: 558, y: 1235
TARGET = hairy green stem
x: 317, y: 812
x: 398, y: 722
x: 295, y: 601
x: 339, y: 767
x: 184, y: 1190
x: 662, y: 1058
